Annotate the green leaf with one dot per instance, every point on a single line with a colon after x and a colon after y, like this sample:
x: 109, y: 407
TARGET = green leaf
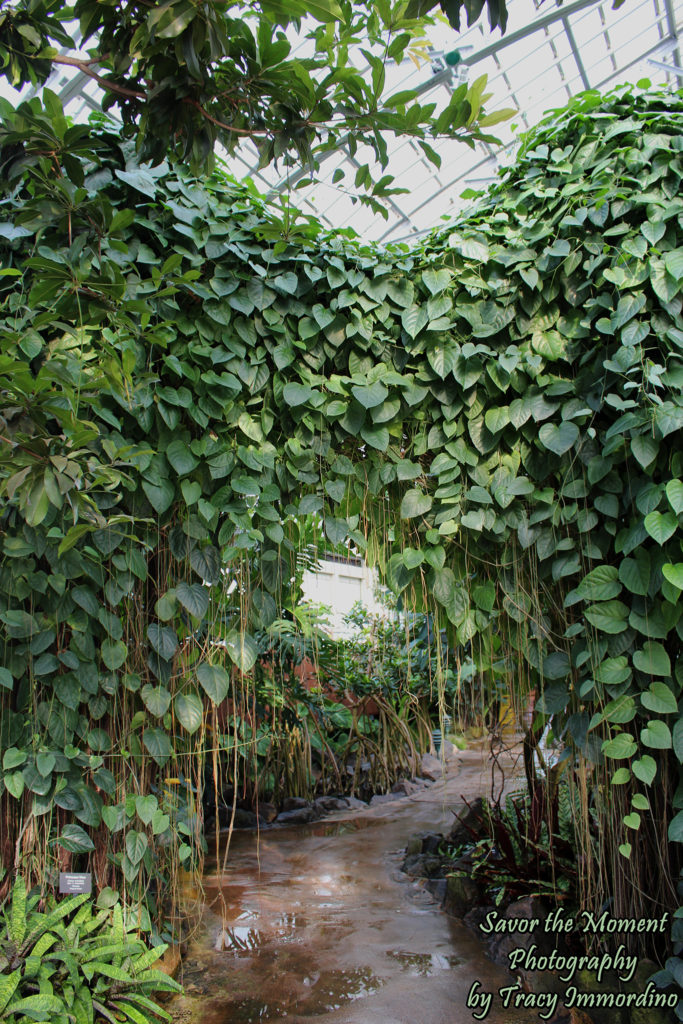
x: 600, y: 584
x: 75, y: 839
x: 206, y: 562
x: 674, y: 492
x: 370, y: 395
x: 644, y: 769
x: 163, y: 639
x: 675, y: 832
x: 114, y: 653
x: 215, y: 682
x: 659, y: 699
x: 136, y: 846
x: 194, y: 598
x: 436, y: 281
x: 673, y: 261
x: 608, y: 617
x: 415, y: 503
x: 12, y: 758
x: 678, y: 739
x: 673, y: 573
x: 634, y: 572
x: 297, y: 394
x: 19, y: 624
x: 632, y: 820
x: 158, y: 745
x: 645, y: 449
x: 189, y: 711
x: 414, y: 319
x: 242, y: 649
x: 6, y: 679
x: 559, y: 439
x: 661, y: 526
x: 656, y: 734
x: 653, y: 660
x: 145, y: 807
x: 181, y: 458
x: 620, y: 747
x: 160, y: 495
x: 620, y: 776
x: 157, y: 699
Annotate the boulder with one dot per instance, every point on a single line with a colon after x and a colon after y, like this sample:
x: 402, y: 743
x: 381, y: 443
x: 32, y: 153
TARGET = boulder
x: 404, y: 788
x: 438, y: 887
x: 294, y: 803
x: 267, y: 813
x: 468, y: 818
x: 243, y: 819
x: 431, y: 767
x: 461, y: 893
x: 298, y: 816
x: 331, y: 803
x: 383, y: 798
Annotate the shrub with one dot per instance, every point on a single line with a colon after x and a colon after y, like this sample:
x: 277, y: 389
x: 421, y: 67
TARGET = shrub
x: 71, y: 964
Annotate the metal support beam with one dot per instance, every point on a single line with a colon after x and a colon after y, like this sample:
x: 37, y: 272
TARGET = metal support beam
x: 673, y: 29
x: 575, y: 53
x: 535, y: 26
x: 673, y: 69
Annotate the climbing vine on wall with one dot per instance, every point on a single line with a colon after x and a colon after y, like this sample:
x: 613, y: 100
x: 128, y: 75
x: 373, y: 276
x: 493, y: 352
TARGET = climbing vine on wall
x: 493, y: 416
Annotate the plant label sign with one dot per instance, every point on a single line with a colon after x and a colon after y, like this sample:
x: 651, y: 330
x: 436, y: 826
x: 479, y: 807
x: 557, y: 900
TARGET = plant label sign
x: 74, y: 883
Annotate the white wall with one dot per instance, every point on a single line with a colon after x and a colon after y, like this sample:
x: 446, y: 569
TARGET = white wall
x: 340, y: 585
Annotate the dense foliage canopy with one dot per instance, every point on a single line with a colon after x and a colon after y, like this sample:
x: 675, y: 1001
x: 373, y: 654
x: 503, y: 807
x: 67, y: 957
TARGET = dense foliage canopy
x: 494, y: 417
x: 184, y: 76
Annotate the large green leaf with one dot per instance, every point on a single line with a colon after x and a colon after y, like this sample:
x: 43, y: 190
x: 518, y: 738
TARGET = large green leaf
x: 189, y: 711
x: 608, y: 617
x: 163, y: 639
x: 559, y: 439
x: 653, y: 660
x: 661, y: 526
x: 415, y: 503
x: 75, y: 839
x: 659, y: 699
x: 600, y: 584
x: 157, y: 699
x: 194, y: 598
x: 656, y: 734
x: 243, y: 650
x: 215, y: 682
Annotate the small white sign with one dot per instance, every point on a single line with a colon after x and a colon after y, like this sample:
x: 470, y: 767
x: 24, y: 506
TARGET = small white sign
x: 74, y: 883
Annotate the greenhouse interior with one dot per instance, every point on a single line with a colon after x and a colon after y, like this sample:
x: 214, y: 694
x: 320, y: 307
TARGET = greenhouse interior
x: 341, y: 522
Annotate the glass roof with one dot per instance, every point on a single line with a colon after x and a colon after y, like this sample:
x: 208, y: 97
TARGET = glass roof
x: 548, y: 54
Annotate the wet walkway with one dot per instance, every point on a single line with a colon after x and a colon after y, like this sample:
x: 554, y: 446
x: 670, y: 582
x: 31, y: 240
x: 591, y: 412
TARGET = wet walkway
x: 317, y: 923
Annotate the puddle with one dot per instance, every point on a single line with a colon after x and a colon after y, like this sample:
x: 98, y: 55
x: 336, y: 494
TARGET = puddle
x: 325, y: 993
x: 316, y: 924
x: 424, y: 965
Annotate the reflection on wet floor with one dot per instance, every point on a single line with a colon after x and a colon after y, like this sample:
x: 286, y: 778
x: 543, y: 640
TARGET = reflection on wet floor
x: 423, y: 965
x: 317, y: 923
x: 328, y: 992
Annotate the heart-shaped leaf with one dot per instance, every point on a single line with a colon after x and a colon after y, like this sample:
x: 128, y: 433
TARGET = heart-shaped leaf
x: 657, y: 735
x: 559, y: 439
x: 415, y: 503
x: 644, y: 769
x: 661, y: 526
x: 194, y: 598
x: 145, y: 807
x: 189, y: 711
x: 215, y: 682
x: 673, y: 572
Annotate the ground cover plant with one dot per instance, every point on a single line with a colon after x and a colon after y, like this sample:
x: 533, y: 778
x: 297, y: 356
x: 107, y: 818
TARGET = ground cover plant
x: 492, y: 418
x: 66, y: 962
